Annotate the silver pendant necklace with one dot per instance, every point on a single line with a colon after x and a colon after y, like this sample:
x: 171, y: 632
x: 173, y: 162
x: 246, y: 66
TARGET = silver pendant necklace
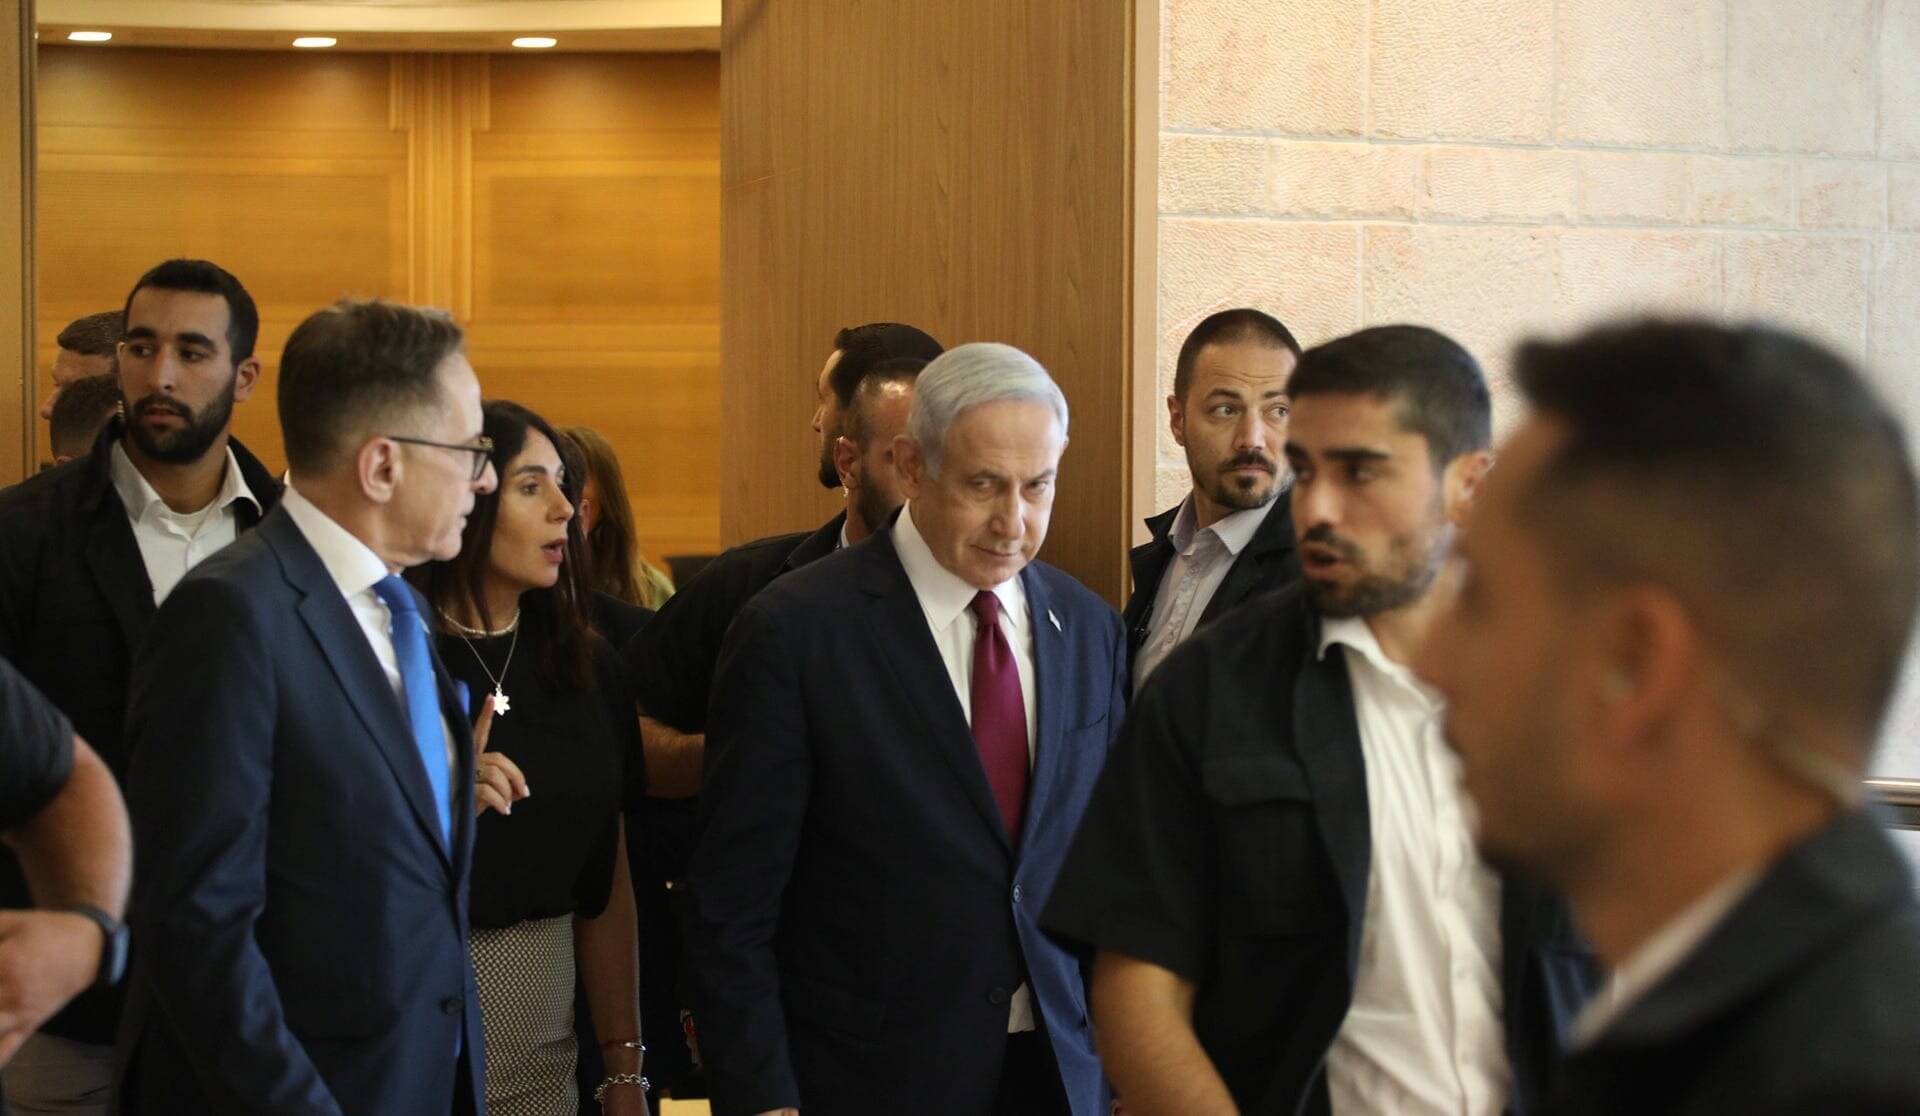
x: 501, y: 703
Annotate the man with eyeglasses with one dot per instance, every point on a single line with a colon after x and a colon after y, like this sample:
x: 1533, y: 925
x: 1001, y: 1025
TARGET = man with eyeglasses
x: 90, y: 549
x: 302, y: 778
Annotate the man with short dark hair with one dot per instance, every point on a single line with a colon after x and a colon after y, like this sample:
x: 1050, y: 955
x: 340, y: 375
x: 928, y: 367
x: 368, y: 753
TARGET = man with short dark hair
x: 89, y: 346
x: 874, y: 416
x: 672, y: 662
x: 82, y: 411
x: 1277, y: 869
x: 1689, y: 589
x: 856, y: 349
x: 302, y: 778
x: 1232, y: 537
x: 89, y: 550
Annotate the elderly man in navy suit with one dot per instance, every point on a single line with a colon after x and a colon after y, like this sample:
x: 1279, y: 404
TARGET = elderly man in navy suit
x: 902, y: 739
x: 302, y: 773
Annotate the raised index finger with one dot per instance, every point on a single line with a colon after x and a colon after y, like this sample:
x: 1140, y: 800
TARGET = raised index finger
x: 483, y: 726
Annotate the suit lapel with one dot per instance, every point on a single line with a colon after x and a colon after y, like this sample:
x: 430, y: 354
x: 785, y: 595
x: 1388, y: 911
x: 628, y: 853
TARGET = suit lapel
x: 1149, y: 562
x: 1049, y: 659
x: 344, y: 645
x: 921, y: 677
x: 1327, y: 739
x: 113, y: 557
x: 1257, y: 568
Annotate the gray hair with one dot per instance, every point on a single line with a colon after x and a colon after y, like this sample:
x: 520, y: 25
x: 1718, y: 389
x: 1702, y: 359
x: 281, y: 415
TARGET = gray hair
x: 968, y: 376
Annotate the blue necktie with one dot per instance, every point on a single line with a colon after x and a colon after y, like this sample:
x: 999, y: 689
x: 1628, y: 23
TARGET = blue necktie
x: 422, y: 693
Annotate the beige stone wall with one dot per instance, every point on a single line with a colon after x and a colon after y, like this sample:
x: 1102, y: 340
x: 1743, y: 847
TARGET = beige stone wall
x: 1497, y: 168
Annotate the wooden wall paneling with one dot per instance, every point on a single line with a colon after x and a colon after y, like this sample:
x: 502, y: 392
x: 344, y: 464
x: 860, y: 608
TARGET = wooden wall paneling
x: 976, y: 184
x: 596, y: 264
x: 18, y: 403
x: 283, y: 168
x: 564, y: 208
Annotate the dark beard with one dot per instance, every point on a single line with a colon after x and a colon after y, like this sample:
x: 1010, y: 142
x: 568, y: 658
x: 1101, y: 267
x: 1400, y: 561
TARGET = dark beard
x: 1243, y: 493
x: 829, y: 476
x: 197, y: 434
x: 1412, y: 563
x: 872, y: 507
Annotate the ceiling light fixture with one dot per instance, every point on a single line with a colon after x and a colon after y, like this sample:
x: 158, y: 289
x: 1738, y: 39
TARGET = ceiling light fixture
x: 314, y: 42
x: 89, y: 36
x: 535, y: 42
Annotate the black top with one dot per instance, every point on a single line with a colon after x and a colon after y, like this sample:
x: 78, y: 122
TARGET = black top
x: 673, y: 657
x: 580, y: 753
x: 616, y: 620
x: 36, y: 750
x: 1228, y: 842
x: 1800, y: 1001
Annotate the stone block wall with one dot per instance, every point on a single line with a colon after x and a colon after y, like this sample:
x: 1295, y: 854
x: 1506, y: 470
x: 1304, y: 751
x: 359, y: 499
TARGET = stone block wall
x: 1501, y: 168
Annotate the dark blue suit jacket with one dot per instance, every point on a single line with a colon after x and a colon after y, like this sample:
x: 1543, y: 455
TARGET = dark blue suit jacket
x: 300, y: 926
x: 857, y: 916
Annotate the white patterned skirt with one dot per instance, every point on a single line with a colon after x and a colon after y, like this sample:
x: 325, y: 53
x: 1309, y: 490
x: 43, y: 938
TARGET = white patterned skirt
x: 525, y: 974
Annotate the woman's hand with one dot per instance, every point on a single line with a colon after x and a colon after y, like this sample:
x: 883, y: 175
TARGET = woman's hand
x: 497, y: 781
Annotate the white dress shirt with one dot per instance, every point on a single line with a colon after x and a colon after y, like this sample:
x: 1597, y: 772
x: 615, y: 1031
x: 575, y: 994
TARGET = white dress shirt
x: 1201, y: 558
x: 1423, y: 1035
x: 1653, y: 960
x: 171, y: 542
x: 356, y: 569
x: 947, y: 602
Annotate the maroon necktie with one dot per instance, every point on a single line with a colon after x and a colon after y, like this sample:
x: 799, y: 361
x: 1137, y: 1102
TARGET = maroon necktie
x: 999, y: 714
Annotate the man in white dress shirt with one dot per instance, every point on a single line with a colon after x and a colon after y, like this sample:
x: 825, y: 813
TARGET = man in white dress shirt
x: 302, y: 767
x: 1690, y: 587
x: 902, y: 737
x: 90, y: 549
x: 1277, y: 869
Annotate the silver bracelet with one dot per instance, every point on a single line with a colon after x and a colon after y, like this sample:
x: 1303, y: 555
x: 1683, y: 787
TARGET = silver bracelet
x: 613, y: 1079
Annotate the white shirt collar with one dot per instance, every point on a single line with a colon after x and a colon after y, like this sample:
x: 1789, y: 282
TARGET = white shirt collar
x: 352, y: 564
x: 1356, y: 633
x: 943, y: 595
x: 1235, y: 529
x: 1654, y: 959
x: 140, y: 499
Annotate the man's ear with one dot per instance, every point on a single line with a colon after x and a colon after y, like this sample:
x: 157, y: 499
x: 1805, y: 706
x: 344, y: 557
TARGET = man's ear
x: 245, y: 378
x: 379, y: 469
x: 913, y: 467
x: 845, y: 457
x: 1177, y: 420
x: 1462, y: 480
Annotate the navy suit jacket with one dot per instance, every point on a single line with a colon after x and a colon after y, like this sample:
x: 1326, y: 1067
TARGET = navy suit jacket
x: 300, y: 924
x: 857, y: 915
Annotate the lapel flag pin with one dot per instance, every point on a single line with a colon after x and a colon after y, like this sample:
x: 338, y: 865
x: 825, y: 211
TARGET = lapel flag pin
x: 1056, y: 621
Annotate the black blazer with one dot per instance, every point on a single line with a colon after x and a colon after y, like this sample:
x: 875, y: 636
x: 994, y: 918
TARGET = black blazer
x: 302, y: 926
x: 1266, y: 563
x: 1801, y: 1001
x: 1229, y: 842
x: 857, y: 916
x: 75, y: 602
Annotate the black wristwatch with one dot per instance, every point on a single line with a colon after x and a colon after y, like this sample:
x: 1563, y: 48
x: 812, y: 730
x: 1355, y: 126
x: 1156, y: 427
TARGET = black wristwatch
x: 113, y: 955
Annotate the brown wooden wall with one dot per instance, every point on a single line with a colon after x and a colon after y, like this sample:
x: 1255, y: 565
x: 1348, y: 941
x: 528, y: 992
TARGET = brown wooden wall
x: 967, y: 167
x: 565, y: 207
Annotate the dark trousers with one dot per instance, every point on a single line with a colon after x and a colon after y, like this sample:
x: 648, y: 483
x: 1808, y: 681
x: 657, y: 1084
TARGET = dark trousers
x: 1030, y: 1078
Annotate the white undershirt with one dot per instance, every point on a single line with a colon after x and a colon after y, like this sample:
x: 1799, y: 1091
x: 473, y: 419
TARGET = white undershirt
x: 172, y: 543
x: 947, y: 602
x: 1423, y: 1036
x: 1654, y: 959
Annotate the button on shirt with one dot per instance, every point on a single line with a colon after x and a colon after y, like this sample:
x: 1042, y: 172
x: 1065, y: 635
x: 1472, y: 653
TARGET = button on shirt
x: 1424, y: 1033
x: 355, y: 569
x: 172, y: 543
x: 1202, y: 557
x: 945, y: 599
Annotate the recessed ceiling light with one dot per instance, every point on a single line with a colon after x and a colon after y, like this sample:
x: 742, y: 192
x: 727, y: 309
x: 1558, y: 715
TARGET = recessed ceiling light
x: 89, y: 36
x: 535, y: 42
x: 314, y: 42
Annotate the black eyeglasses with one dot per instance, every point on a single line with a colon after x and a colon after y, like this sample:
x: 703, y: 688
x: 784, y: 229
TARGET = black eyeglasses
x: 481, y: 449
